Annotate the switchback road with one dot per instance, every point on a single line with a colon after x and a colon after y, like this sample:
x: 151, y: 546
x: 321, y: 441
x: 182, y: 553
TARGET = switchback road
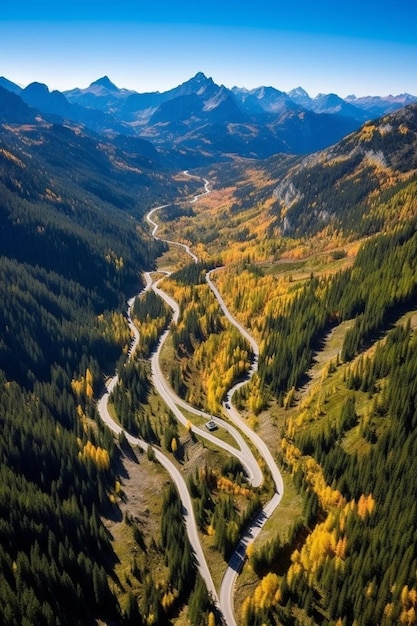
x: 224, y: 600
x: 237, y: 560
x: 170, y: 466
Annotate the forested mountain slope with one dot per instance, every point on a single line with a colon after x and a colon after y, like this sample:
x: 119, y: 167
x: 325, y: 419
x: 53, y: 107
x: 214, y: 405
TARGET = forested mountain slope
x: 321, y: 254
x: 71, y: 251
x: 68, y: 235
x: 358, y: 187
x: 349, y: 443
x: 350, y: 186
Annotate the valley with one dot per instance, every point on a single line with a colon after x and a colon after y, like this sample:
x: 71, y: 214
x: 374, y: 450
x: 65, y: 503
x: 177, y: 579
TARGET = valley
x: 293, y: 404
x: 276, y: 302
x: 224, y: 606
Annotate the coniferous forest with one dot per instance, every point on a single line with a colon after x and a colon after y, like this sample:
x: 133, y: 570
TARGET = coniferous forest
x: 71, y: 254
x: 308, y: 251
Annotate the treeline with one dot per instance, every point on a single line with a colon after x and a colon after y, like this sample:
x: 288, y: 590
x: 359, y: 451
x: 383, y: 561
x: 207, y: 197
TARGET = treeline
x: 392, y: 135
x: 192, y: 274
x: 179, y: 556
x: 210, y: 353
x: 65, y: 164
x: 61, y: 243
x: 47, y: 319
x: 199, y: 318
x: 290, y: 338
x: 383, y: 279
x: 321, y: 201
x: 58, y: 279
x: 183, y: 580
x: 174, y: 211
x: 130, y: 397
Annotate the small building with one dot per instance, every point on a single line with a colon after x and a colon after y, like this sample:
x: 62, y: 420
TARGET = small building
x: 211, y: 425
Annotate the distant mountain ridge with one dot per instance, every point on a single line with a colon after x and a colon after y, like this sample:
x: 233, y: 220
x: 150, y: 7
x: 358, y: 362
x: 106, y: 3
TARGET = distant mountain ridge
x: 202, y: 122
x: 268, y: 98
x: 376, y: 105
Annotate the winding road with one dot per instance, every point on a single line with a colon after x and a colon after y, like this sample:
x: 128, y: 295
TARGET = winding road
x: 170, y: 466
x: 223, y: 600
x: 243, y: 453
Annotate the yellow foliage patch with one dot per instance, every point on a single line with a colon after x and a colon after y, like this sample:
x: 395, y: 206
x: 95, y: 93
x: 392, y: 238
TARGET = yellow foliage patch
x: 83, y: 385
x: 100, y: 456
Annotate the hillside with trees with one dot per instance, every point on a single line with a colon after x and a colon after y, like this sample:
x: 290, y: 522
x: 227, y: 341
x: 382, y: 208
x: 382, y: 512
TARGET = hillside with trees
x: 72, y: 249
x: 344, y: 436
x: 317, y: 257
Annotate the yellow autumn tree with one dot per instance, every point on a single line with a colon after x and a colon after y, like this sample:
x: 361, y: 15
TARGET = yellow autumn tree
x: 88, y: 383
x: 267, y: 593
x: 100, y: 456
x: 211, y: 620
x: 366, y: 505
x: 83, y: 386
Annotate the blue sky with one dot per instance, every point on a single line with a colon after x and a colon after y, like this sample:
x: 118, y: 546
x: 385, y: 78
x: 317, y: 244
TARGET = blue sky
x: 361, y: 47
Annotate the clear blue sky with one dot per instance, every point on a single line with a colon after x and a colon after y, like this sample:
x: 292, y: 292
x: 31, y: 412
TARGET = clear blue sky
x: 343, y: 46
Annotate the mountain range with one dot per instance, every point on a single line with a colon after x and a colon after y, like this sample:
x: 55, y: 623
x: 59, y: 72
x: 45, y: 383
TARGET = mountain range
x: 200, y: 121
